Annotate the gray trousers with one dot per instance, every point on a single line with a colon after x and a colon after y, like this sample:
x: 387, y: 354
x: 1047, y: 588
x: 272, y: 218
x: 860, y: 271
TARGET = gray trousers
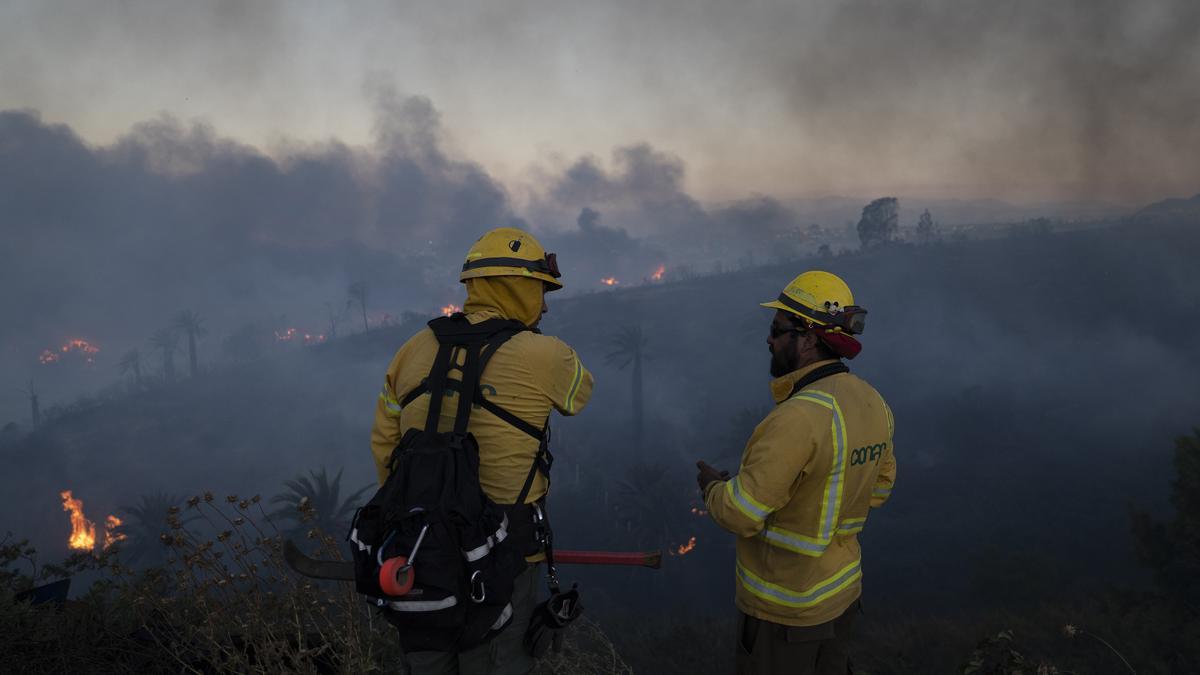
x: 504, y: 655
x: 766, y: 648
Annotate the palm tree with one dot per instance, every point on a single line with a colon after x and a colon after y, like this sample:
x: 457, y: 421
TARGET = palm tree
x: 190, y: 324
x: 132, y: 362
x: 144, y: 525
x: 629, y: 346
x: 330, y: 514
x: 334, y: 319
x: 35, y: 408
x: 166, y: 340
x: 358, y: 295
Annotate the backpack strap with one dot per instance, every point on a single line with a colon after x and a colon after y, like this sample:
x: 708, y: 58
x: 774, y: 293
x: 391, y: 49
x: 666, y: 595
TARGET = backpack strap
x: 541, y: 462
x: 437, y: 384
x: 487, y: 336
x: 481, y: 342
x: 470, y: 386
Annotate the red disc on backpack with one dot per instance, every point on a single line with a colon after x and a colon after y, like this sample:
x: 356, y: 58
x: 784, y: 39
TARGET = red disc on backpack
x: 395, y: 577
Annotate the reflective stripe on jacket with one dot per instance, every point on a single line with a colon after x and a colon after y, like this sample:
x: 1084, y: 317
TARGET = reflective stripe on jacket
x: 809, y: 475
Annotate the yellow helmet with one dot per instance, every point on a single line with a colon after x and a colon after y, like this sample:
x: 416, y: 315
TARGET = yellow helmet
x: 510, y: 252
x: 821, y: 299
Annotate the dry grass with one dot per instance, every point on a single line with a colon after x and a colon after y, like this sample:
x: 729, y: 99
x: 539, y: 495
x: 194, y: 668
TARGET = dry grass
x: 224, y: 603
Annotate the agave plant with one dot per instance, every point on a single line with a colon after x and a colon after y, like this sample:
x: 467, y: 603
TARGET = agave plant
x: 320, y: 496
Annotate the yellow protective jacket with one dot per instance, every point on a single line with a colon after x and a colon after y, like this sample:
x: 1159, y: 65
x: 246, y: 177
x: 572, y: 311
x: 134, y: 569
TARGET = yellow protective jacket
x: 809, y: 475
x: 530, y: 375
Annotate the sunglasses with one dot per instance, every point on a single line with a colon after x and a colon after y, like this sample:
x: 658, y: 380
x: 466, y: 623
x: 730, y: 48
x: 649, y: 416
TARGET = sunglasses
x: 777, y: 331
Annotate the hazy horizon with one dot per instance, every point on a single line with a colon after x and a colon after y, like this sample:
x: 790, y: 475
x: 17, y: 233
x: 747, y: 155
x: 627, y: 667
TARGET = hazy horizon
x: 1022, y: 101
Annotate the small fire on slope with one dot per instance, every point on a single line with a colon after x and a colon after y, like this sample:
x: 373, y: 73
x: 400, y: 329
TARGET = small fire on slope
x: 451, y: 309
x: 610, y: 281
x: 684, y: 549
x: 83, y: 531
x: 658, y: 273
x: 111, y: 536
x: 76, y: 345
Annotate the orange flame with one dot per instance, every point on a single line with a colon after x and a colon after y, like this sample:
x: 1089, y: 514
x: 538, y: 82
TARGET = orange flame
x: 658, y: 273
x: 111, y: 536
x: 450, y: 309
x: 685, y: 548
x: 86, y: 348
x: 699, y: 512
x: 286, y: 335
x: 311, y: 339
x: 81, y: 345
x: 609, y: 281
x: 83, y: 531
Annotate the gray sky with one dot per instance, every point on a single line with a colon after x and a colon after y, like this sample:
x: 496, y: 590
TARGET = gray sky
x: 951, y: 98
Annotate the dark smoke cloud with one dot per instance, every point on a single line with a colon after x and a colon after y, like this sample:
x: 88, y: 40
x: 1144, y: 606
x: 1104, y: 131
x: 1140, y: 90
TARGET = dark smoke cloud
x: 935, y: 98
x: 108, y: 243
x: 644, y: 189
x: 643, y: 192
x: 1093, y: 97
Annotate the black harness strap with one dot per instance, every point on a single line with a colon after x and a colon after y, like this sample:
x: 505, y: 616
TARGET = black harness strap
x: 489, y: 349
x: 470, y: 381
x: 437, y: 385
x: 415, y: 393
x: 456, y: 386
x: 819, y: 374
x: 541, y: 462
x: 543, y: 458
x: 481, y: 342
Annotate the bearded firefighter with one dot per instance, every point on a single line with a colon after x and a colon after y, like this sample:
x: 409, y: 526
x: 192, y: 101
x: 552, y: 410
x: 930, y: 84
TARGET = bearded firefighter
x: 809, y: 476
x: 507, y: 274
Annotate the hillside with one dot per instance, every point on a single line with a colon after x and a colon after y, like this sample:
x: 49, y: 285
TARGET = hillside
x: 1036, y: 381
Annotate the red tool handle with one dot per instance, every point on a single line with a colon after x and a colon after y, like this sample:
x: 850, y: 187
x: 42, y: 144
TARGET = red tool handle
x: 651, y: 559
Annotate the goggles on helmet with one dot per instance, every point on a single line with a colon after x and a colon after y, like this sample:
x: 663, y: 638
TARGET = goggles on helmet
x: 851, y: 318
x: 547, y: 265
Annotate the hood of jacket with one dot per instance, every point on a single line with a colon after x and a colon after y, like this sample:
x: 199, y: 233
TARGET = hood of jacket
x: 511, y: 297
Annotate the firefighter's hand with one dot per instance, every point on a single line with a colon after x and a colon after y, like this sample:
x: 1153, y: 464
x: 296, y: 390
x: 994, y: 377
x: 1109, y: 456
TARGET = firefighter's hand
x: 708, y: 475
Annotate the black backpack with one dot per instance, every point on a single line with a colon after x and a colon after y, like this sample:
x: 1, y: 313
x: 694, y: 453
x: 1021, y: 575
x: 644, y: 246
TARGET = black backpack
x: 430, y: 549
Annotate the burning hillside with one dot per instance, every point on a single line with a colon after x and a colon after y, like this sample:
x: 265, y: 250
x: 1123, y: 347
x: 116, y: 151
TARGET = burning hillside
x: 83, y: 349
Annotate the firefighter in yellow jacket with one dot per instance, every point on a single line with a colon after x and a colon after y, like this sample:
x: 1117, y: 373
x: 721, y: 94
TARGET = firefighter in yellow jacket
x: 810, y: 474
x: 507, y: 273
